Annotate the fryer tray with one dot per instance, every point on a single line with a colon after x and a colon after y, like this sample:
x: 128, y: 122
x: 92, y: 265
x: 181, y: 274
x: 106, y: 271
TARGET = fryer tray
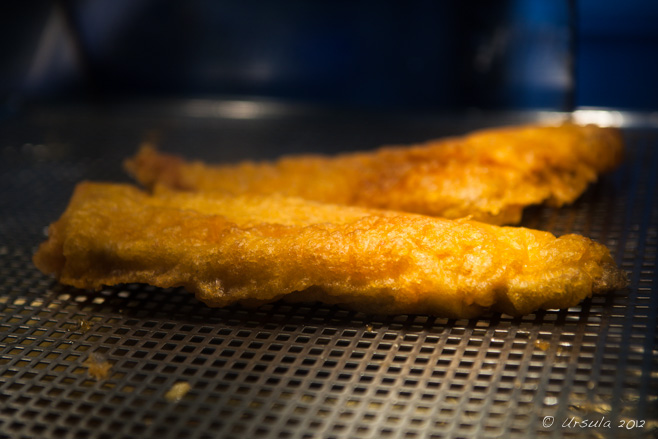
x: 309, y: 370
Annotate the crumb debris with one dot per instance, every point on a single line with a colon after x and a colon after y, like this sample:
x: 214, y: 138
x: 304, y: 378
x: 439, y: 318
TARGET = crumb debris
x: 543, y: 345
x: 97, y: 367
x: 83, y: 325
x: 177, y: 391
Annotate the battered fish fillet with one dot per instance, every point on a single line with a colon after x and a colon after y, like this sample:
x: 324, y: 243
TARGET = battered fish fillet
x: 489, y: 176
x: 253, y: 250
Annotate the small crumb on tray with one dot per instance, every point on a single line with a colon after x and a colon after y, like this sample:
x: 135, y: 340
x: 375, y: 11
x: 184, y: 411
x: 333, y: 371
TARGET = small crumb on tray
x: 177, y: 391
x: 98, y: 368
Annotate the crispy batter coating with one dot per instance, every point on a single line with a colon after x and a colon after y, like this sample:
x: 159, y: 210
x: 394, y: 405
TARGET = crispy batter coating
x: 254, y: 250
x: 489, y: 176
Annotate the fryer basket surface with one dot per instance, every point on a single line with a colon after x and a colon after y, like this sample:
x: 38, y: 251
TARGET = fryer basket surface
x: 308, y: 370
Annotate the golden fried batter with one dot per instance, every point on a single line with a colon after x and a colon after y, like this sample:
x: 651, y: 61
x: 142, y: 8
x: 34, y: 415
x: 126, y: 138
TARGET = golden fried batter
x: 253, y: 250
x: 490, y: 175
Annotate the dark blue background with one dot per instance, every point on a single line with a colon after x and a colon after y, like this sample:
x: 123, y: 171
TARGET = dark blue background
x: 413, y: 54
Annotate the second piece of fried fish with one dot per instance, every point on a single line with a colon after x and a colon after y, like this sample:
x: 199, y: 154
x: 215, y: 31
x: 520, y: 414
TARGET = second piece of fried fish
x: 489, y: 176
x: 253, y: 250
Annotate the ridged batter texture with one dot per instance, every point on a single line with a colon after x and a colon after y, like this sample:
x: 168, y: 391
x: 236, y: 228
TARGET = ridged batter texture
x: 489, y: 176
x: 253, y: 250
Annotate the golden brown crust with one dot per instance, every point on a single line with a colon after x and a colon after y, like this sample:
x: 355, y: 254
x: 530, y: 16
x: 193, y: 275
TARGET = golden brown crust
x: 254, y: 250
x: 490, y: 175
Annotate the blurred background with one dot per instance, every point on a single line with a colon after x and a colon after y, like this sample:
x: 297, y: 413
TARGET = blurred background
x: 507, y: 54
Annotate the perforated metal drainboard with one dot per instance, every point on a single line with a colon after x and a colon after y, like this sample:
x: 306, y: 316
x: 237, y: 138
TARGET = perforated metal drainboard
x: 285, y: 371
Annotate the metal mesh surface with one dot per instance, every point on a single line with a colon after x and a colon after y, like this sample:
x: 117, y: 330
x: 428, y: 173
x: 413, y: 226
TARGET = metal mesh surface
x: 303, y: 371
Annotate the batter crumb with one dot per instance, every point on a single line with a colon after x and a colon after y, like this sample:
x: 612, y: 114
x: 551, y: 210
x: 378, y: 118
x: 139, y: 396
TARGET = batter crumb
x: 177, y: 391
x: 98, y: 367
